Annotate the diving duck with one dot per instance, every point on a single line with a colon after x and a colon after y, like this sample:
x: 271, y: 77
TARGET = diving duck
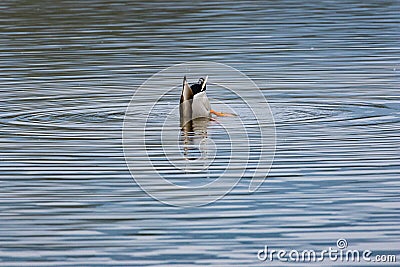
x: 194, y: 102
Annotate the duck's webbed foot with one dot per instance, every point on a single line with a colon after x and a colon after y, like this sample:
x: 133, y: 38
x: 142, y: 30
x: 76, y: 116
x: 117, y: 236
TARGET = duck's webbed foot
x: 222, y: 114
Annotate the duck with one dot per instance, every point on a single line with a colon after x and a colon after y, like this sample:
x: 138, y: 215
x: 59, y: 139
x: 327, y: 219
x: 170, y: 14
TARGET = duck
x: 194, y: 102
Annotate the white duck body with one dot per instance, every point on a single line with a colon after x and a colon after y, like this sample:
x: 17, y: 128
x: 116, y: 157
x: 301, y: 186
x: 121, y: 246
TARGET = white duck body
x: 200, y: 106
x: 194, y: 102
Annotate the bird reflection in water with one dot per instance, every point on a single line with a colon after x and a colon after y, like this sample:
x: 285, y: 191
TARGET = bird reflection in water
x: 196, y: 143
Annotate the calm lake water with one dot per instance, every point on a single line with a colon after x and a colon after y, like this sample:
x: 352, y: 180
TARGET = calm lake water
x: 330, y: 71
